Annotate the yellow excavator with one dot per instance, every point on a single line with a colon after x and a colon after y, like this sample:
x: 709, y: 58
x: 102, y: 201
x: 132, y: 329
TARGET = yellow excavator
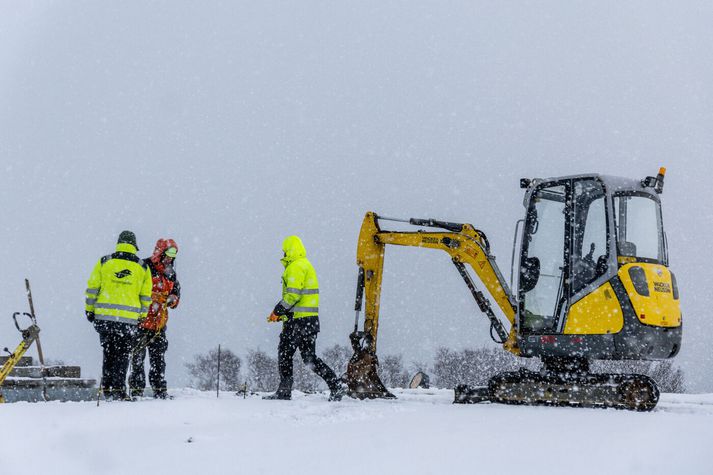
x: 590, y: 264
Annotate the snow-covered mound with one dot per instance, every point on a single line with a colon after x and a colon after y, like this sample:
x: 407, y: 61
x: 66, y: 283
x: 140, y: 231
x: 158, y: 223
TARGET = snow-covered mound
x: 420, y: 433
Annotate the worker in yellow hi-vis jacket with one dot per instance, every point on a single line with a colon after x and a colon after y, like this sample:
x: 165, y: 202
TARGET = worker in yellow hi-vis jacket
x: 299, y: 312
x: 117, y: 298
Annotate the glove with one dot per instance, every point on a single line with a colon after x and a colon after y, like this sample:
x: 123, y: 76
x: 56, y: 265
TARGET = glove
x: 159, y: 297
x: 273, y: 318
x: 172, y: 301
x: 90, y: 316
x: 279, y: 309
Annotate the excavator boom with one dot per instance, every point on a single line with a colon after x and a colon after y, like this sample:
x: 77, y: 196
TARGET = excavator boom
x: 466, y: 246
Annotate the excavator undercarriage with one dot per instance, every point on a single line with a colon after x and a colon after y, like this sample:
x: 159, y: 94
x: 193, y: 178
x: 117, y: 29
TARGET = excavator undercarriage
x: 578, y: 388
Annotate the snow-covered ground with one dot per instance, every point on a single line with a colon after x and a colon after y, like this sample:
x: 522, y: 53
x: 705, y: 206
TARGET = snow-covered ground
x: 420, y: 433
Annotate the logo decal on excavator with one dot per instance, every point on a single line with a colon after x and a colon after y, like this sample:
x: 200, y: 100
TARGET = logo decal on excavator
x: 429, y: 240
x: 663, y: 287
x: 122, y: 273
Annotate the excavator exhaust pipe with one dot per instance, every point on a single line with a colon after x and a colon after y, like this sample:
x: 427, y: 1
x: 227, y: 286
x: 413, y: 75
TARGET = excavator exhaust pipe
x: 362, y: 371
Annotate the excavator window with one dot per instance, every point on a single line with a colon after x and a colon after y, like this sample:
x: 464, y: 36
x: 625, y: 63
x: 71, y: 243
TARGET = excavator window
x: 544, y: 244
x: 589, y: 234
x: 639, y: 228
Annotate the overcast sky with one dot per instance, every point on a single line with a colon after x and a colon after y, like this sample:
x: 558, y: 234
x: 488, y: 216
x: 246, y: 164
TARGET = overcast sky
x: 230, y: 125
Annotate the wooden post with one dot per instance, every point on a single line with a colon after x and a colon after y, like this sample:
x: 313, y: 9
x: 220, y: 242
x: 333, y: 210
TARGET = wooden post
x: 37, y: 342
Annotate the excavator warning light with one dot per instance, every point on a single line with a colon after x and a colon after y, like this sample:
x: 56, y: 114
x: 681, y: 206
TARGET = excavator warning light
x: 655, y: 182
x: 659, y: 180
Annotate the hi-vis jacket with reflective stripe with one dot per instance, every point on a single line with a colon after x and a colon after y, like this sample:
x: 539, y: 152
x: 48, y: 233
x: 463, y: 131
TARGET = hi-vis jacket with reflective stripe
x: 119, y: 289
x: 300, y: 289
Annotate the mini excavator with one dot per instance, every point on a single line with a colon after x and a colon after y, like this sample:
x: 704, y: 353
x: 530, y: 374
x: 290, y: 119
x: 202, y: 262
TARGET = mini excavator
x: 592, y: 283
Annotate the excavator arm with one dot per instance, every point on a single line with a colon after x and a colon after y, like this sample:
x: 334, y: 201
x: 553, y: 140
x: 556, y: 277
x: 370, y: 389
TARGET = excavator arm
x: 465, y: 245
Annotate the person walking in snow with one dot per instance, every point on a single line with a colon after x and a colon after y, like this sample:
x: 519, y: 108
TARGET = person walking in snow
x: 117, y: 297
x: 151, y: 334
x: 299, y: 313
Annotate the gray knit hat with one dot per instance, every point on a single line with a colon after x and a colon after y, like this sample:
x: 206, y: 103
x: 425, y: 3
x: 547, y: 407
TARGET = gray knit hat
x: 127, y: 237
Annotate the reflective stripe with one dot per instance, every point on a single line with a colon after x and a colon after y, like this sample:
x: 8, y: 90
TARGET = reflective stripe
x: 305, y: 309
x: 113, y: 318
x: 144, y: 309
x: 145, y: 299
x: 285, y: 304
x: 293, y: 290
x: 90, y: 301
x: 114, y: 306
x: 92, y: 291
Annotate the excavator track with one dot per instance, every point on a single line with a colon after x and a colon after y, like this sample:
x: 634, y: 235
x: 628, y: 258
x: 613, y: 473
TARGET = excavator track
x: 635, y: 392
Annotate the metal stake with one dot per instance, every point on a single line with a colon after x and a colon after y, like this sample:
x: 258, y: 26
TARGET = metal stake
x: 217, y: 386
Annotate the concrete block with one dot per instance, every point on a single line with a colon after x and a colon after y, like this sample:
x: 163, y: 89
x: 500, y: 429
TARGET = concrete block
x: 24, y: 361
x: 50, y: 371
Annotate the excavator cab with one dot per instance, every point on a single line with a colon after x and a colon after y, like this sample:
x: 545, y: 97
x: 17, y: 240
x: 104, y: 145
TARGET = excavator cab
x: 592, y: 282
x: 589, y: 249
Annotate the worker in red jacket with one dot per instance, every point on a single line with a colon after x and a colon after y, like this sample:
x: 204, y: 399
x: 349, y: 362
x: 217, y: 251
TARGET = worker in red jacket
x: 166, y: 293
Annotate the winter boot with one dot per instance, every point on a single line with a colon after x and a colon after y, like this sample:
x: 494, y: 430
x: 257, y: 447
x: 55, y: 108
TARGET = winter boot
x: 338, y: 392
x: 284, y: 391
x: 160, y: 394
x: 121, y: 396
x: 279, y: 395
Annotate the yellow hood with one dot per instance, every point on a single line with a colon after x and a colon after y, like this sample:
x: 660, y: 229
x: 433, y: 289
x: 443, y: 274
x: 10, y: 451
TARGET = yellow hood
x: 293, y: 248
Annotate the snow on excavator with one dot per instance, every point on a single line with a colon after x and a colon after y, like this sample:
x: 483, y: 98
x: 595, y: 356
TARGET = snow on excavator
x: 592, y: 283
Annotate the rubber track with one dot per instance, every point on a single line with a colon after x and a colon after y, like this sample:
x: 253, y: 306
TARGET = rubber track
x: 623, y: 391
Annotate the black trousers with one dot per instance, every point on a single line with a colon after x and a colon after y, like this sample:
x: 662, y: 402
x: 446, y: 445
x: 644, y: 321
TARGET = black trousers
x: 301, y: 333
x: 116, y: 340
x: 156, y: 344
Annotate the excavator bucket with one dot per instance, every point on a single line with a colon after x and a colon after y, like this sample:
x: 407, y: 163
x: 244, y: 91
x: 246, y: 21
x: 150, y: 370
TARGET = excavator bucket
x: 362, y: 371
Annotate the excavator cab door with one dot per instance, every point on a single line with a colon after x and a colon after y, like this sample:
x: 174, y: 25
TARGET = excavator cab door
x: 542, y: 262
x: 565, y: 251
